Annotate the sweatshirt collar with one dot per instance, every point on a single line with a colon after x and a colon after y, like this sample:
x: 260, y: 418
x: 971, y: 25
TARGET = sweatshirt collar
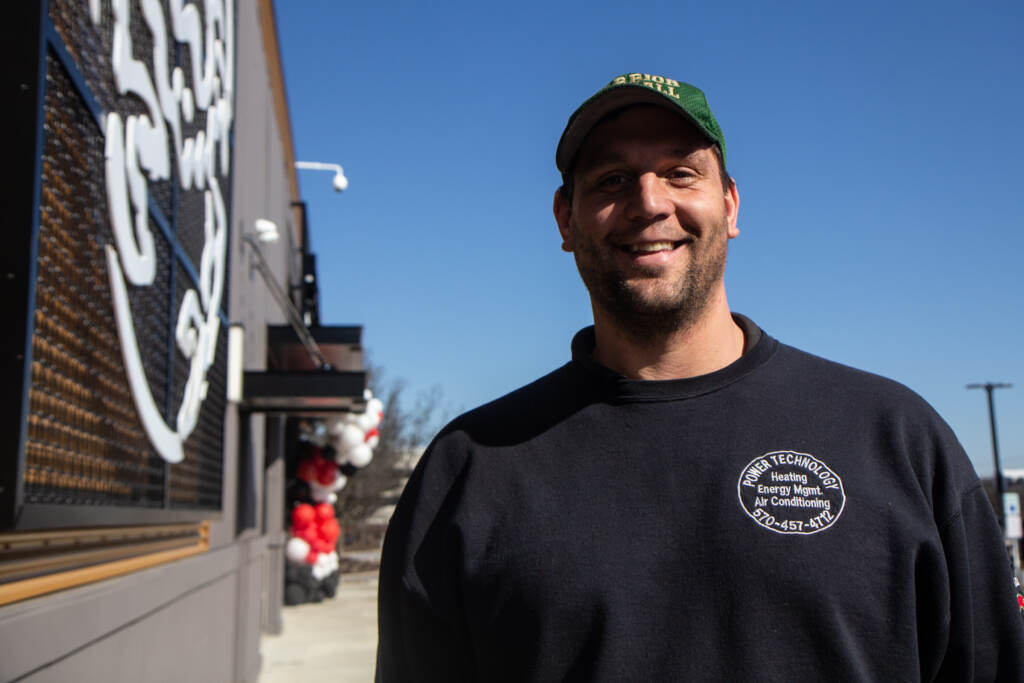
x: 758, y: 347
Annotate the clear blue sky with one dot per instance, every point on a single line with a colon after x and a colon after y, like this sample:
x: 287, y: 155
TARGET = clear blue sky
x: 877, y: 147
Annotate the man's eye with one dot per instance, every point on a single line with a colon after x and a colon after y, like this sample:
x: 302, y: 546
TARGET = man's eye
x: 612, y: 180
x: 681, y: 174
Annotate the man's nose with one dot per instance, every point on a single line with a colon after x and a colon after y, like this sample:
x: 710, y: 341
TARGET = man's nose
x: 650, y: 198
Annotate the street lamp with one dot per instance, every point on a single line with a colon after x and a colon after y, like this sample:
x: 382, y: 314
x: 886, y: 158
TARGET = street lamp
x: 340, y: 182
x: 989, y: 387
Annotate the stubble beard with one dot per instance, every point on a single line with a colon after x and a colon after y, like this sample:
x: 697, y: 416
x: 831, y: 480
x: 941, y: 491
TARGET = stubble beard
x: 644, y: 313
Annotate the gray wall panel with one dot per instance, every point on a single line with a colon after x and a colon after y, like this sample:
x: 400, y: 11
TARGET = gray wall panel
x: 36, y: 633
x: 163, y: 646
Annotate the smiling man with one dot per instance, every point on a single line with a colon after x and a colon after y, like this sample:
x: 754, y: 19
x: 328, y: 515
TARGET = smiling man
x: 687, y: 498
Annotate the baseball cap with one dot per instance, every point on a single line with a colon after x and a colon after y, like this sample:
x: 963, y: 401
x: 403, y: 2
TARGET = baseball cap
x: 637, y: 88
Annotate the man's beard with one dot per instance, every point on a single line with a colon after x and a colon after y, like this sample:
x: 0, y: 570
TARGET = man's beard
x: 676, y: 306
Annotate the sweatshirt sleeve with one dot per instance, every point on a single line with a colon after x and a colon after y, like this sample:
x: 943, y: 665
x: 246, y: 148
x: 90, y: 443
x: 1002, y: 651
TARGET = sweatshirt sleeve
x: 986, y: 629
x: 421, y: 631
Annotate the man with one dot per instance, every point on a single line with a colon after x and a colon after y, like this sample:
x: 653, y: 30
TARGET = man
x: 687, y: 498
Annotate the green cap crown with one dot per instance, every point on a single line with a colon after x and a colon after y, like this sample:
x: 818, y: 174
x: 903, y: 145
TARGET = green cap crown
x: 637, y: 88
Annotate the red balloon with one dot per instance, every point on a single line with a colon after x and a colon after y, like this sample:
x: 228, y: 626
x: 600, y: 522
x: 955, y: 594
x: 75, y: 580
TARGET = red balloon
x: 311, y: 557
x: 324, y: 511
x: 372, y: 433
x: 309, y: 533
x: 307, y: 470
x: 330, y: 530
x: 326, y: 472
x: 303, y: 514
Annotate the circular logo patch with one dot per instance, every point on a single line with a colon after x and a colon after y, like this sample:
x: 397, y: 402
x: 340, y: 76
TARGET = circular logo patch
x: 791, y: 493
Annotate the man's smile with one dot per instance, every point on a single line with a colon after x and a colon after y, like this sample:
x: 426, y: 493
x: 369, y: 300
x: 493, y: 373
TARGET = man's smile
x: 651, y: 247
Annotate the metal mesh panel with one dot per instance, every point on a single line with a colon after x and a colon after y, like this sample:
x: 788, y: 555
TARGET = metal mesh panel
x: 90, y: 47
x: 196, y: 481
x: 85, y: 443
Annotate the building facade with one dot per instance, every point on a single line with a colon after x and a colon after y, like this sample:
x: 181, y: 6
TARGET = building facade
x: 162, y: 304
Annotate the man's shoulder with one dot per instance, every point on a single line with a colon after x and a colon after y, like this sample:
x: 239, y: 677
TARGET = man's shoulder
x: 544, y: 401
x: 814, y: 373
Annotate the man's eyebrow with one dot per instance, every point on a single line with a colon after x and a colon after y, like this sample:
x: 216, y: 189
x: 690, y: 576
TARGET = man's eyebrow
x: 610, y: 158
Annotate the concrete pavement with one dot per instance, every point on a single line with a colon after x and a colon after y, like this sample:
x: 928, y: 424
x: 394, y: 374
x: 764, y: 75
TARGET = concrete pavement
x: 334, y: 640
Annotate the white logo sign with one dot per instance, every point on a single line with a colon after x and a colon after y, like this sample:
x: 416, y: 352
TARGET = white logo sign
x: 791, y: 493
x: 138, y: 150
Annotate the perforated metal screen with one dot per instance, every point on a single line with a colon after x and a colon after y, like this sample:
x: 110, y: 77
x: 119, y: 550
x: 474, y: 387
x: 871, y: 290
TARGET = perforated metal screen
x: 85, y: 444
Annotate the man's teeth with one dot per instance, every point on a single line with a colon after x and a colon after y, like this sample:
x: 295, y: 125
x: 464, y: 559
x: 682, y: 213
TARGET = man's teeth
x: 649, y: 247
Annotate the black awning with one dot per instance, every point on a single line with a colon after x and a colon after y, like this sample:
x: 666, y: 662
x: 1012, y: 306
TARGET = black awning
x: 341, y: 346
x: 304, y: 392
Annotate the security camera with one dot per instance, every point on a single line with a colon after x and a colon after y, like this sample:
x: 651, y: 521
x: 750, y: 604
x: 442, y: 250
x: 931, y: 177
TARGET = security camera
x: 340, y: 181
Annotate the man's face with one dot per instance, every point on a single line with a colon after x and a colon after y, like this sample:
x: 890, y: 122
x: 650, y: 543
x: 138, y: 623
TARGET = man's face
x: 649, y: 220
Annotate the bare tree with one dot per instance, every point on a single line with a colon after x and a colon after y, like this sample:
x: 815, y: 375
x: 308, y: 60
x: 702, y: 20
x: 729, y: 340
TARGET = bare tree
x: 403, y: 431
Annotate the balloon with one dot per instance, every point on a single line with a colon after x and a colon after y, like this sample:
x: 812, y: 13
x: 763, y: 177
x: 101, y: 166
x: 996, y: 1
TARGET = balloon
x: 311, y: 557
x: 324, y: 511
x: 372, y: 433
x: 366, y: 422
x: 325, y: 494
x: 330, y: 530
x: 350, y: 437
x: 296, y: 550
x: 326, y: 472
x: 303, y: 514
x: 375, y: 407
x: 307, y: 470
x: 361, y: 455
x: 310, y: 534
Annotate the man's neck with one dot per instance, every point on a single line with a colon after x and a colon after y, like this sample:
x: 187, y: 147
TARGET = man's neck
x: 712, y: 342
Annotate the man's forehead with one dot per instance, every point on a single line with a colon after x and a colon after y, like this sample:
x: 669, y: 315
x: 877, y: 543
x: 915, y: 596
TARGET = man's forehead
x: 621, y: 133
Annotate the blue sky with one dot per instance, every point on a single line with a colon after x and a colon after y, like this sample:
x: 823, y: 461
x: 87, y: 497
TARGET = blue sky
x: 876, y: 146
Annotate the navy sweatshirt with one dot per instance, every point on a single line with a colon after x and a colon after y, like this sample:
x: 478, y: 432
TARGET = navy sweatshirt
x: 782, y: 519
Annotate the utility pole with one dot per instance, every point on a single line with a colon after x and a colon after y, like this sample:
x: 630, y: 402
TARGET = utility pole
x: 989, y: 387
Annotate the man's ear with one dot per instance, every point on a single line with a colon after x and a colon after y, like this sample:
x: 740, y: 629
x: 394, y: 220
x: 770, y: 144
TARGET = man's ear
x: 563, y: 216
x: 732, y: 208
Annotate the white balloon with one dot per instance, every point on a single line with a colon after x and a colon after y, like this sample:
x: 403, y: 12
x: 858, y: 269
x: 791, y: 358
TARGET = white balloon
x: 351, y: 436
x: 320, y: 570
x: 373, y: 441
x: 360, y: 456
x: 318, y: 491
x: 339, y: 482
x: 375, y: 406
x: 324, y: 494
x: 296, y: 550
x: 366, y: 422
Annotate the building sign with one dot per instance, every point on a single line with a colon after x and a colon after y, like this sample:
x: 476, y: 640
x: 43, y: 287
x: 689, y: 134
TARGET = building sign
x: 142, y: 146
x: 124, y: 392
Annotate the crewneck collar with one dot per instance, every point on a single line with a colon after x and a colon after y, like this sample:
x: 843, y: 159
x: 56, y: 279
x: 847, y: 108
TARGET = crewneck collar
x: 758, y: 347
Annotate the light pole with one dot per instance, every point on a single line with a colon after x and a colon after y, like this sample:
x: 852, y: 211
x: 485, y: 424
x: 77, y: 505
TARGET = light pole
x: 340, y: 181
x: 989, y: 387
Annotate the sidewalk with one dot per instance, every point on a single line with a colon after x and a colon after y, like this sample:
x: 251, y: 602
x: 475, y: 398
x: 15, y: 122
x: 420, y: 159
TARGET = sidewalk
x: 334, y: 640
